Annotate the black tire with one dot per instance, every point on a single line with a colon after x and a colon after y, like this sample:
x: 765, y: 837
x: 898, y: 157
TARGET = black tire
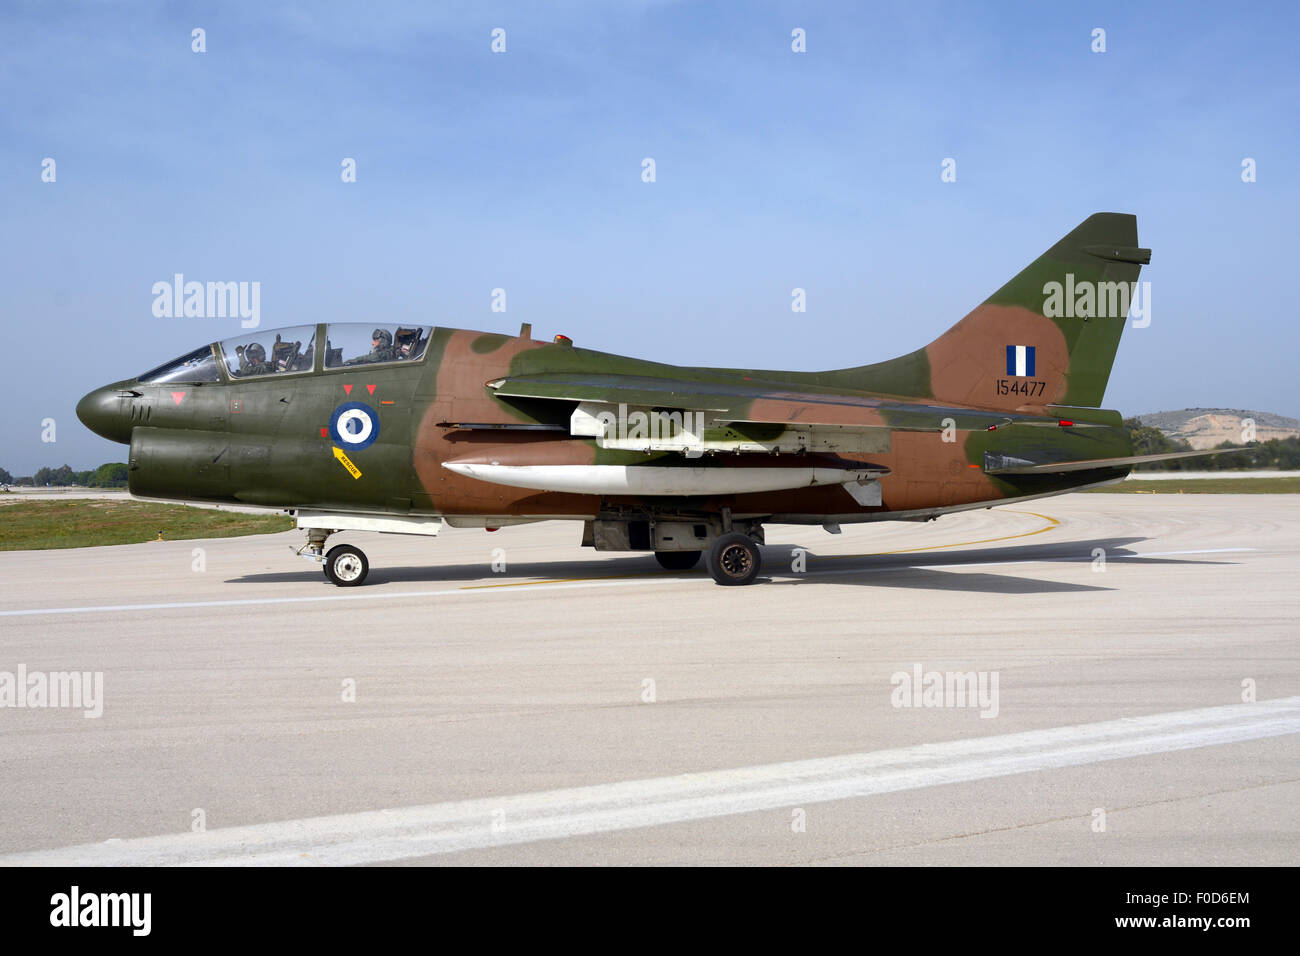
x: 346, y: 566
x: 734, y: 559
x: 678, y: 560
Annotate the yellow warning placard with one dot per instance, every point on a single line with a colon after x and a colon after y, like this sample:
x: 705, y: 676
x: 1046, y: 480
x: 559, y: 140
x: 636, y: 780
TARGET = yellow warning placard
x: 346, y: 462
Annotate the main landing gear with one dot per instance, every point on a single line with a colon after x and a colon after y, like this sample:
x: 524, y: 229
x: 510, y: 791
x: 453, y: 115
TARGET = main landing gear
x: 678, y: 560
x: 730, y: 547
x: 344, y: 564
x: 734, y: 559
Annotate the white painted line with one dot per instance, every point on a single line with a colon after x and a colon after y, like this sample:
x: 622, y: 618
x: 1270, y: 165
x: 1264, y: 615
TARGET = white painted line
x: 1161, y: 554
x: 526, y: 587
x: 410, y: 832
x: 1197, y: 475
x: 372, y: 595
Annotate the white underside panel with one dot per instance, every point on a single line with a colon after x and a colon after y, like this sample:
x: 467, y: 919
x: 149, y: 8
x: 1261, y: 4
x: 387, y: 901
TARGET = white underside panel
x: 389, y: 524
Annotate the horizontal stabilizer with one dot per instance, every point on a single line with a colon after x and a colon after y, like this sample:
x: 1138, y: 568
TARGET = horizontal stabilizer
x: 1006, y: 465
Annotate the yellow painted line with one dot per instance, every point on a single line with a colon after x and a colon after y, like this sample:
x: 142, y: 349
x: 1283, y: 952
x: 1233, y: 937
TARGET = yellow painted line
x: 1051, y: 523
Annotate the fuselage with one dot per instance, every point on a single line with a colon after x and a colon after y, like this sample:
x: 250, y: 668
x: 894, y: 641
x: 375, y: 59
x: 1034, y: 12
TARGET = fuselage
x: 267, y: 439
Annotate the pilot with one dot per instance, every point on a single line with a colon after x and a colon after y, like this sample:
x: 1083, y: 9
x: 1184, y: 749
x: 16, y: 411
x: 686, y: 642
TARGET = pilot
x: 381, y: 349
x: 252, y: 360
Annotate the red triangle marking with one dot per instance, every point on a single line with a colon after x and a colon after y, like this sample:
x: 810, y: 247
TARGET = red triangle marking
x: 177, y: 396
x: 370, y: 389
x: 347, y: 389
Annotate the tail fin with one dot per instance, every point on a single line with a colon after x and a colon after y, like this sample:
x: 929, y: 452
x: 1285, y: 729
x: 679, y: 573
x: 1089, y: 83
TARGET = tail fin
x: 1047, y: 337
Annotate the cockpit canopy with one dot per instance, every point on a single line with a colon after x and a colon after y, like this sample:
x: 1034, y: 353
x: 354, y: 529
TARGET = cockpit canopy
x: 293, y: 350
x: 197, y: 366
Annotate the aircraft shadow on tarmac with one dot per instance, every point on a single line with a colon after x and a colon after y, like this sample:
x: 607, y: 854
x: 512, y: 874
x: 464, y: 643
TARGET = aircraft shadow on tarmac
x: 921, y: 570
x: 928, y: 570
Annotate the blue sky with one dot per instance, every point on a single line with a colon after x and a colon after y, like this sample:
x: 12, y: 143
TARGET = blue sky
x: 522, y: 171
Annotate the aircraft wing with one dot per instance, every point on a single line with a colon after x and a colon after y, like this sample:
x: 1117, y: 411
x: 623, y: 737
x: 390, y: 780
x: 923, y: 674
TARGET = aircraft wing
x: 615, y: 389
x: 752, y: 416
x: 1006, y: 465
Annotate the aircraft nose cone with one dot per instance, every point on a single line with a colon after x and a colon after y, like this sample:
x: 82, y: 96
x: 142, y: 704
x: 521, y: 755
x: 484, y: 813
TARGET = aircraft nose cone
x: 106, y: 413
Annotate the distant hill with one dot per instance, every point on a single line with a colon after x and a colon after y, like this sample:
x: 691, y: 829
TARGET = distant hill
x: 1208, y: 427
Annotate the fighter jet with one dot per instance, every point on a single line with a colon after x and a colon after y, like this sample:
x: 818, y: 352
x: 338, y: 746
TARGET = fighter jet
x: 407, y: 429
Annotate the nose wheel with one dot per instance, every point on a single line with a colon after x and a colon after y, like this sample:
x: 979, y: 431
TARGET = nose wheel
x: 346, y: 565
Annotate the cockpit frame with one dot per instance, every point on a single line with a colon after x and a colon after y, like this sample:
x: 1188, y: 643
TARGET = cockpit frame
x: 319, y: 357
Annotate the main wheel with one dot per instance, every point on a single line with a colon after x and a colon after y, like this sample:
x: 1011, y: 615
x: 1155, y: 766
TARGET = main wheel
x: 346, y: 566
x: 677, y: 560
x: 734, y: 559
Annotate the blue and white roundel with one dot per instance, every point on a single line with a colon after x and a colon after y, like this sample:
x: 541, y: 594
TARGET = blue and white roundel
x: 354, y: 425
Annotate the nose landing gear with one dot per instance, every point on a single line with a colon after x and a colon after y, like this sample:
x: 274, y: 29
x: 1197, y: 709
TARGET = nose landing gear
x: 345, y: 565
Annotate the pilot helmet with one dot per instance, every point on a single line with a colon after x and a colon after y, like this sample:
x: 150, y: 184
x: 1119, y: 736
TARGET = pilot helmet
x: 384, y: 336
x: 255, y: 353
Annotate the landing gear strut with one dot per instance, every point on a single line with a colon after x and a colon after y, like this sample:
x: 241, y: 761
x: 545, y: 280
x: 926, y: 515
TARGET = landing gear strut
x: 734, y: 559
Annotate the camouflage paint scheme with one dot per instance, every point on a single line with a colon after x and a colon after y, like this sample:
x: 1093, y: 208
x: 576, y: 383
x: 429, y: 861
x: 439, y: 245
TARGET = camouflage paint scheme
x: 263, y: 440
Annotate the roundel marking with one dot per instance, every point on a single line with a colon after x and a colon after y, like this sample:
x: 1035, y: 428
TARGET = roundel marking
x: 354, y: 425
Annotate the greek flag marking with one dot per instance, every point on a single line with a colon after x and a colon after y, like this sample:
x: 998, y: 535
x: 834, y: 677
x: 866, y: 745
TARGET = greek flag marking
x: 1020, y: 360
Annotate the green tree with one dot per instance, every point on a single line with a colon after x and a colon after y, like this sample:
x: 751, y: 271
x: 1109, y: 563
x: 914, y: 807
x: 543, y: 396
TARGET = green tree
x: 1280, y: 453
x: 5, y: 477
x: 1152, y: 441
x: 110, y: 475
x: 62, y: 475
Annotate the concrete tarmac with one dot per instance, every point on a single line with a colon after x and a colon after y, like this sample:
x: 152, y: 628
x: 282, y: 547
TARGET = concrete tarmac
x: 1139, y: 659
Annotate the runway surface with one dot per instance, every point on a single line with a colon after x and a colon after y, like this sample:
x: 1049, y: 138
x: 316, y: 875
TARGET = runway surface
x: 588, y: 708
